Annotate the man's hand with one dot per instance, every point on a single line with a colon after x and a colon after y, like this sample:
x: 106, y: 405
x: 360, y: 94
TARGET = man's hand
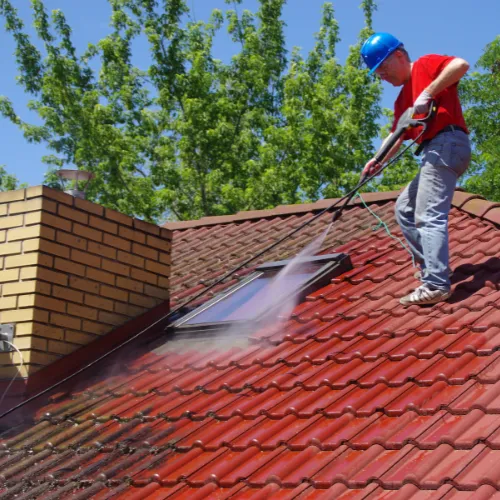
x: 423, y: 103
x: 371, y: 168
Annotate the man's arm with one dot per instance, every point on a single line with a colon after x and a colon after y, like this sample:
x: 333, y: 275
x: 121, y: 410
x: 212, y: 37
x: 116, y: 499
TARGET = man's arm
x: 373, y: 166
x: 394, y: 148
x: 451, y: 74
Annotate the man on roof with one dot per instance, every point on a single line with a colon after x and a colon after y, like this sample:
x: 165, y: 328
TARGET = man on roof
x: 422, y: 208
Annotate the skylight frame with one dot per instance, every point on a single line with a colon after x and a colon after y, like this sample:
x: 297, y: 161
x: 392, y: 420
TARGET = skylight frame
x: 332, y: 265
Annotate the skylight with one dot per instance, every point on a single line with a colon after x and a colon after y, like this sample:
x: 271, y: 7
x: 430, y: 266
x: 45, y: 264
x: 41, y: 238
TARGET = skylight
x: 265, y: 289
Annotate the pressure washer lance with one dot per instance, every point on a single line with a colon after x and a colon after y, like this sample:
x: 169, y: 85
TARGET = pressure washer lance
x: 405, y: 122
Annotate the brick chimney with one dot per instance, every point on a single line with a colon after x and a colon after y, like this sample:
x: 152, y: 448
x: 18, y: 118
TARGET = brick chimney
x: 70, y: 272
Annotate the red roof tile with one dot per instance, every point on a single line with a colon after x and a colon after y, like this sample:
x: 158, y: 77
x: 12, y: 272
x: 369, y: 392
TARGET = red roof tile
x: 353, y: 397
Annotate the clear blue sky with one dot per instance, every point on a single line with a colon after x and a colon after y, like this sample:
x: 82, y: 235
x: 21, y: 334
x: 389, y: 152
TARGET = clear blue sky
x: 454, y: 27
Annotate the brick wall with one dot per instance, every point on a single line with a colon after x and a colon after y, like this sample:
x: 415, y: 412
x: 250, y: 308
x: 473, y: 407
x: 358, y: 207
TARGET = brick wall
x: 71, y: 271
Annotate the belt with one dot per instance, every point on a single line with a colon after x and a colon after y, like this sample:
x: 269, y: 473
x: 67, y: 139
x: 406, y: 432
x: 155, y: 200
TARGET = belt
x: 448, y: 128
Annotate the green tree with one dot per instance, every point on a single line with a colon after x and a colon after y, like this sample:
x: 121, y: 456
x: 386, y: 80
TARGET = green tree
x: 86, y: 121
x: 328, y: 120
x: 188, y: 135
x: 481, y: 95
x: 8, y: 182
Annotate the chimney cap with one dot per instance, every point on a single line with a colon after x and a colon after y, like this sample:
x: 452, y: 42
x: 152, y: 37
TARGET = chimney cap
x: 76, y: 176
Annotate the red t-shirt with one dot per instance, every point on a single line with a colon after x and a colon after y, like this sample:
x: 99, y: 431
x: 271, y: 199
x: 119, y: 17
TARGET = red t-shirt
x: 449, y: 111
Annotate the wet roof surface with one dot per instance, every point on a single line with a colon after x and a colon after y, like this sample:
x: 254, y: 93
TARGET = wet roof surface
x: 354, y: 397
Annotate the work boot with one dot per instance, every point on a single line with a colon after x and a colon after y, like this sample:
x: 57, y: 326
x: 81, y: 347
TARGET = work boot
x: 424, y: 295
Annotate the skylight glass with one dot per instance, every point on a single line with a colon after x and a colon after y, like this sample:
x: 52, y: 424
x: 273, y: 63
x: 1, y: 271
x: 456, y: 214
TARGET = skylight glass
x: 270, y: 285
x: 253, y: 298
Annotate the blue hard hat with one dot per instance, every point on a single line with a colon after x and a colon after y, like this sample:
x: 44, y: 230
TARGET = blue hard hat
x: 378, y: 48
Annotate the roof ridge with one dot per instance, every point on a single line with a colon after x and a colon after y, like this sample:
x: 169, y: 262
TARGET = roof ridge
x: 471, y: 203
x: 286, y: 210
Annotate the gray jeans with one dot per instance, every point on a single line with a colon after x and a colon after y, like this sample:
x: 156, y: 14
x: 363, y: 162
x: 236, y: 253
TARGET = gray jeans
x: 422, y: 208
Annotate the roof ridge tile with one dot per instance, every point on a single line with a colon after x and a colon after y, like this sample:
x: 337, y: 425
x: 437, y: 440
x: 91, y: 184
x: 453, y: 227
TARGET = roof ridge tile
x: 462, y: 197
x: 492, y: 213
x: 471, y: 203
x: 279, y: 210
